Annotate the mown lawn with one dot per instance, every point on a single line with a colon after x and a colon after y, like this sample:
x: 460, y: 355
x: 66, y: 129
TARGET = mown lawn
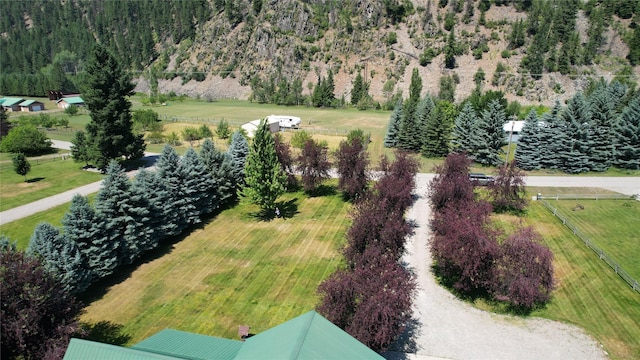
x: 47, y: 177
x: 234, y: 270
x: 612, y: 225
x: 589, y: 294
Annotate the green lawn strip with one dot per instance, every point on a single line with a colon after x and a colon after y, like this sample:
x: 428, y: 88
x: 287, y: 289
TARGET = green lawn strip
x: 588, y: 294
x: 46, y: 178
x: 21, y: 230
x: 612, y: 225
x: 235, y: 270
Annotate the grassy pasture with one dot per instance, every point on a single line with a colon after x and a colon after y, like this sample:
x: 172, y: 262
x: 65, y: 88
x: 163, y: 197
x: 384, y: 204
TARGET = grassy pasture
x: 612, y: 225
x: 234, y: 270
x: 47, y: 177
x: 588, y: 293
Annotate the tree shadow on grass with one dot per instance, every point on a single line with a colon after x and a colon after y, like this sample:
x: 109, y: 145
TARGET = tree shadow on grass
x: 34, y: 180
x: 287, y: 210
x: 322, y: 190
x: 104, y: 332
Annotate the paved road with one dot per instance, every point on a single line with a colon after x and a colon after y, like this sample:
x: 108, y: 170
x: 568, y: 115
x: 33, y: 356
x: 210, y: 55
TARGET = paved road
x: 35, y: 207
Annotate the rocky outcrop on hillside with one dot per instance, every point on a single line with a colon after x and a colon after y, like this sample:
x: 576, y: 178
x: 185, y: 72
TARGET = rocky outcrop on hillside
x: 383, y: 40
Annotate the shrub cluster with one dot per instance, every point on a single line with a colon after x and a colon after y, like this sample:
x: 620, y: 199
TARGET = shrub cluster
x: 371, y: 297
x: 469, y: 253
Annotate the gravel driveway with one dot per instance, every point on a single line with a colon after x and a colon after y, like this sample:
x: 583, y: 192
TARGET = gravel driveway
x: 451, y: 329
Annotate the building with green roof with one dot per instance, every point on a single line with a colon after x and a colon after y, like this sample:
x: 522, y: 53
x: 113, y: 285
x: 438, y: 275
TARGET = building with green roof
x: 308, y: 336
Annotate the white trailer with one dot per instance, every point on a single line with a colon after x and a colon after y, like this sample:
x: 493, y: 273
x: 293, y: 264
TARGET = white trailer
x: 285, y: 121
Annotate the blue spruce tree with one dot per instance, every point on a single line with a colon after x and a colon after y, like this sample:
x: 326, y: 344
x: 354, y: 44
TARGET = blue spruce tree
x: 551, y: 136
x: 80, y: 226
x: 602, y: 132
x: 465, y: 137
x: 112, y: 209
x: 198, y: 187
x: 527, y: 155
x: 576, y: 147
x: 220, y: 170
x: 491, y: 130
x: 393, y: 129
x: 235, y: 160
x: 627, y: 134
x: 169, y: 174
x: 146, y: 223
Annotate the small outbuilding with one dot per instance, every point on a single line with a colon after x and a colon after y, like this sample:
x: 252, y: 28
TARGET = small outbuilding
x: 68, y: 101
x: 31, y: 105
x: 11, y: 103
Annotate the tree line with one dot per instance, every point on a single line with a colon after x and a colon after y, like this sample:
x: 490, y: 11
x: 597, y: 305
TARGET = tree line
x: 371, y: 296
x: 594, y: 131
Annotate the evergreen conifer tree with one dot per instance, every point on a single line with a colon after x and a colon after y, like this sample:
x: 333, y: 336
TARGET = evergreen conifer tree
x: 627, y: 133
x: 551, y: 134
x: 575, y: 153
x: 109, y: 133
x: 146, y: 204
x: 169, y: 174
x: 60, y: 257
x: 80, y: 226
x: 235, y: 160
x: 112, y: 209
x: 492, y: 132
x: 425, y: 108
x: 527, y: 155
x: 602, y: 133
x: 215, y: 162
x: 265, y: 180
x: 357, y: 92
x: 438, y: 131
x: 465, y: 131
x: 198, y: 187
x: 393, y: 129
x: 410, y: 138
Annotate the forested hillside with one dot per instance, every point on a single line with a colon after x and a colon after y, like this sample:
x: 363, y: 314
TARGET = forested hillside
x: 276, y: 51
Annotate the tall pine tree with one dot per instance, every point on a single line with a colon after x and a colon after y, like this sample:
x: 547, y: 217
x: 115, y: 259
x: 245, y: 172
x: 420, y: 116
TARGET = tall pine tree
x: 527, y: 155
x: 437, y: 135
x: 409, y: 138
x: 265, y: 180
x: 109, y: 134
x: 214, y: 161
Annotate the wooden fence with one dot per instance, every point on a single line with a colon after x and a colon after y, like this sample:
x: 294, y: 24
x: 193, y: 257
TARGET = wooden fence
x: 601, y: 254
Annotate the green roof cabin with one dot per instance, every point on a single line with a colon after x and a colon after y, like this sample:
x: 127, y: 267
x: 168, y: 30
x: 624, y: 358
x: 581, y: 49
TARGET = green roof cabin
x: 309, y: 336
x: 68, y: 101
x: 31, y: 105
x: 11, y: 103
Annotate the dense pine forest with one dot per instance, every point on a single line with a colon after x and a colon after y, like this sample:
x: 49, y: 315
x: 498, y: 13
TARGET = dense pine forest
x: 533, y: 50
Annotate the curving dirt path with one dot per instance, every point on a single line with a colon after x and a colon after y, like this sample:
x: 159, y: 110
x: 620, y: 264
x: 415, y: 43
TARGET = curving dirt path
x: 451, y: 329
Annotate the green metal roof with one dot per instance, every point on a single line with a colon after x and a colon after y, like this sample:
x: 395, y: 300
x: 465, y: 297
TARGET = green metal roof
x: 73, y: 100
x: 84, y: 349
x: 309, y: 336
x: 9, y: 101
x: 190, y: 346
x: 28, y: 102
x: 2, y: 100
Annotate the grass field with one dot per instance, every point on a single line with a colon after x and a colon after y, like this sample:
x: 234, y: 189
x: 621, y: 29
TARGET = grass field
x: 47, y: 177
x: 234, y: 270
x: 588, y: 294
x: 612, y: 225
